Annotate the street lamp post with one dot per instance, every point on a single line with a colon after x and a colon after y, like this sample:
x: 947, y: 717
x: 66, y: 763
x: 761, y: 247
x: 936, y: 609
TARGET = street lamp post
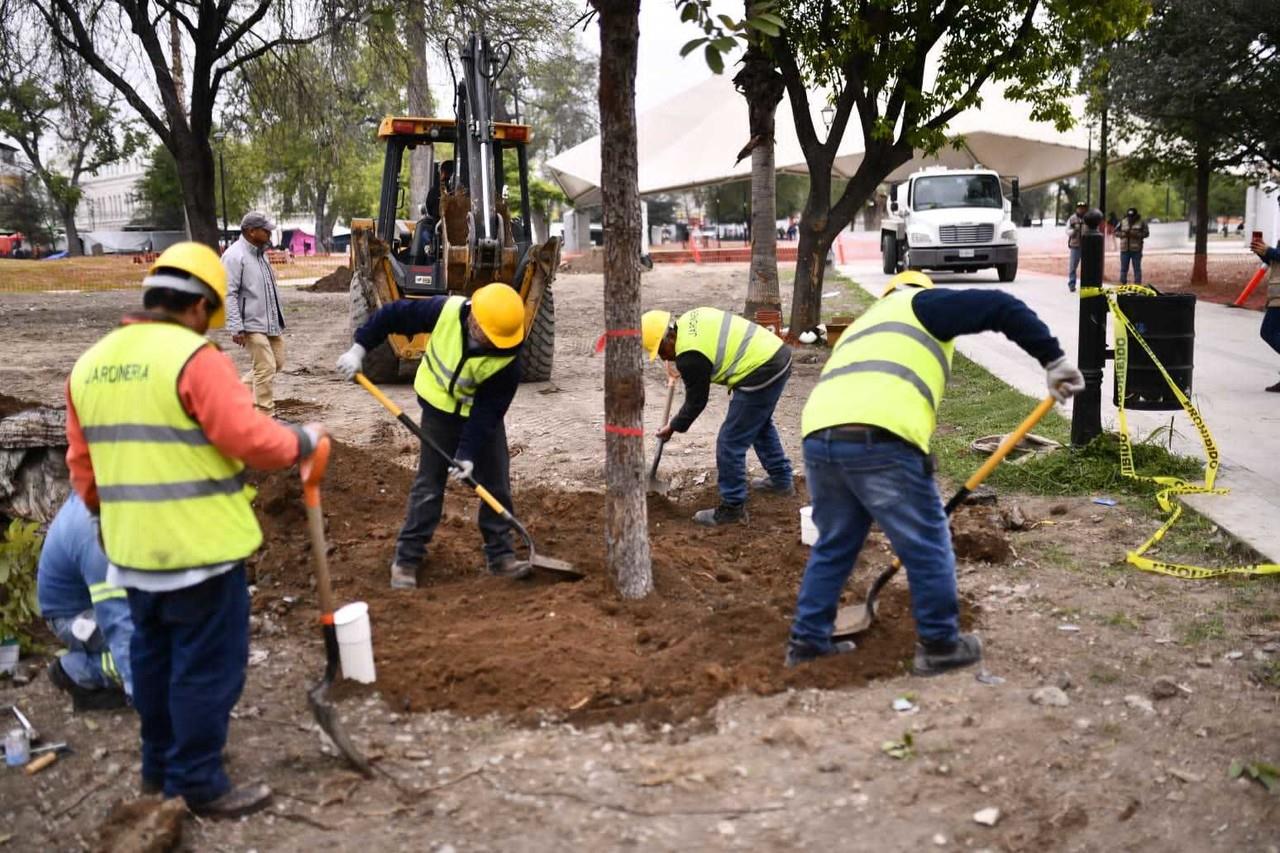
x: 222, y: 179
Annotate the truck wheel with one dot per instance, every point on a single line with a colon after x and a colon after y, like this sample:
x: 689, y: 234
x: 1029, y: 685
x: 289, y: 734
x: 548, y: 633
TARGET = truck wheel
x: 889, y: 253
x: 538, y: 352
x: 1007, y: 272
x: 381, y: 364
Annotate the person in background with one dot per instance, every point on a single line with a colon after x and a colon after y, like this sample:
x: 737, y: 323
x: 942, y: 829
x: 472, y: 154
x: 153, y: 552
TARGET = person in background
x: 1075, y: 227
x: 1270, y: 330
x: 254, y: 317
x: 1131, y: 233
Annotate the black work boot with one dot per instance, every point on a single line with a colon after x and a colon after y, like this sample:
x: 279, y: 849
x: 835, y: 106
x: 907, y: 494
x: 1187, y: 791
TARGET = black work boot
x: 403, y: 577
x: 509, y: 567
x: 766, y: 484
x: 86, y: 698
x: 1275, y: 389
x: 239, y: 801
x: 799, y: 652
x: 723, y: 514
x: 937, y: 658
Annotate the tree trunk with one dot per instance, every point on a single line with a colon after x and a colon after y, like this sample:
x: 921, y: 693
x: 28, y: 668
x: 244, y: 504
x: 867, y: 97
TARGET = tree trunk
x: 762, y: 87
x: 73, y: 233
x: 1200, y: 266
x: 419, y: 103
x: 626, y: 513
x: 322, y: 229
x: 197, y: 176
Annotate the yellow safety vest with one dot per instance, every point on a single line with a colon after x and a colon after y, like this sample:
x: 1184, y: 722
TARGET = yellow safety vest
x: 169, y: 499
x: 445, y: 379
x: 734, y: 346
x: 885, y: 371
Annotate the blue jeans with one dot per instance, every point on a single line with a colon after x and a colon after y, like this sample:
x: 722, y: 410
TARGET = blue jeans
x: 1270, y: 330
x: 91, y: 663
x: 1073, y: 266
x: 853, y: 483
x: 190, y: 649
x: 1134, y: 258
x: 749, y: 423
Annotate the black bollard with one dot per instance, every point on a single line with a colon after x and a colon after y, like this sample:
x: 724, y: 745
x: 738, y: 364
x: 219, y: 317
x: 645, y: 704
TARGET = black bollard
x: 1086, y: 408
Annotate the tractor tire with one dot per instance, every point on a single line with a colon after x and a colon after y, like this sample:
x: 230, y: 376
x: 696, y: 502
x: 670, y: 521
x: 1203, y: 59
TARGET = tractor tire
x: 1007, y: 272
x: 381, y: 364
x: 538, y: 352
x: 889, y: 253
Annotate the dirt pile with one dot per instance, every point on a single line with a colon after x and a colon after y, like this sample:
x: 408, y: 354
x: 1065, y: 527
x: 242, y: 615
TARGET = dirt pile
x: 590, y: 261
x: 338, y: 281
x: 12, y: 405
x: 148, y: 825
x: 716, y: 625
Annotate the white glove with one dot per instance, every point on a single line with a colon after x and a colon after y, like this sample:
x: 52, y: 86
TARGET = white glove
x: 462, y: 472
x: 314, y: 432
x: 1064, y: 379
x: 350, y: 362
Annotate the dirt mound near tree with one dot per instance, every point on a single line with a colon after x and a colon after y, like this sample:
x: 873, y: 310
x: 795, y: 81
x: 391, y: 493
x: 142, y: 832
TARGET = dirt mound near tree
x: 12, y: 405
x: 338, y: 281
x: 717, y: 623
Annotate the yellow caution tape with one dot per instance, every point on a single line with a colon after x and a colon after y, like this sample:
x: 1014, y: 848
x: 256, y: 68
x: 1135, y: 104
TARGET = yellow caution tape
x: 1171, y: 485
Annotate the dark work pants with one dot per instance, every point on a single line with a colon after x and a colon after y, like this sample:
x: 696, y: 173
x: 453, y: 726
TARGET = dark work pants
x: 426, y: 496
x: 1271, y: 328
x: 189, y: 651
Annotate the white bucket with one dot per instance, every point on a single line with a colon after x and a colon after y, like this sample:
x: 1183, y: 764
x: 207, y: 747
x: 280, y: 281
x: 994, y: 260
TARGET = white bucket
x: 355, y: 642
x: 808, y: 530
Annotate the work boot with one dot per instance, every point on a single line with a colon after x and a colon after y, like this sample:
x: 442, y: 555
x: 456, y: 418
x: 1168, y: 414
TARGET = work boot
x: 723, y: 514
x: 799, y: 652
x: 239, y: 801
x: 1274, y: 389
x: 151, y: 787
x: 508, y: 566
x: 86, y: 698
x: 403, y: 577
x: 937, y: 658
x: 766, y: 484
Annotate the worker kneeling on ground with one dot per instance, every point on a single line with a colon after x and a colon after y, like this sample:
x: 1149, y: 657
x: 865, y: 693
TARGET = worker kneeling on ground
x: 710, y: 345
x: 465, y: 384
x: 867, y: 426
x: 159, y: 430
x: 86, y: 613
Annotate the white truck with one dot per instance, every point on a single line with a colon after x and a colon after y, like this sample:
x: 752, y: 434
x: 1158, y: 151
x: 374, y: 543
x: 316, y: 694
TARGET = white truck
x: 951, y: 219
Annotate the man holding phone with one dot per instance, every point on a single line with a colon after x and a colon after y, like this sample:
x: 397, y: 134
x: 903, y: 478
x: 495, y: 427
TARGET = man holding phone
x: 1270, y: 330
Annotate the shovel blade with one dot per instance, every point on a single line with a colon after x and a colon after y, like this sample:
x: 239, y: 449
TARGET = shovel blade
x: 562, y: 568
x: 657, y: 487
x: 853, y: 619
x: 327, y: 717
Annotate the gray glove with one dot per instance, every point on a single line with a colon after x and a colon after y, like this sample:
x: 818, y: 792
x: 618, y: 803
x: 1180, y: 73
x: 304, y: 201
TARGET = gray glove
x: 1064, y: 379
x: 350, y: 362
x: 462, y: 472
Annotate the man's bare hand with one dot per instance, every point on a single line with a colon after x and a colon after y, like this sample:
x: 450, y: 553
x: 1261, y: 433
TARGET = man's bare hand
x: 665, y: 433
x: 238, y: 339
x: 1258, y: 247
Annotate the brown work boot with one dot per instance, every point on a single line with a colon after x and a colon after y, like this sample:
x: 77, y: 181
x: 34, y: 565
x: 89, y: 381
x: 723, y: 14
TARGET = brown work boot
x: 723, y: 514
x: 509, y: 567
x: 403, y: 577
x: 239, y: 801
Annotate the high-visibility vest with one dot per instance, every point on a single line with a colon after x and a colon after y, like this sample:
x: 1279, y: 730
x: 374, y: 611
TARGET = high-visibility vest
x: 169, y: 499
x: 446, y: 379
x: 886, y: 371
x: 734, y: 346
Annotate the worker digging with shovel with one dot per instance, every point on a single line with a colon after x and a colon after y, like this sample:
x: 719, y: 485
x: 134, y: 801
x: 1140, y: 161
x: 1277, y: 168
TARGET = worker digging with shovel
x: 465, y: 383
x: 711, y: 346
x: 867, y: 426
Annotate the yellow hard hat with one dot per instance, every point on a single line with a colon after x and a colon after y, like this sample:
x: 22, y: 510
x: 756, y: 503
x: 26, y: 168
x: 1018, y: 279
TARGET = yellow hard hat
x: 499, y: 310
x: 204, y: 276
x: 653, y: 328
x: 908, y: 278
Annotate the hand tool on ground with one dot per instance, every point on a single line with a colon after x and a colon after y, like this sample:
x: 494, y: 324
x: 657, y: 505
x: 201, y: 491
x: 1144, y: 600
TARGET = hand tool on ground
x: 856, y: 618
x: 560, y: 568
x: 656, y: 486
x: 317, y: 698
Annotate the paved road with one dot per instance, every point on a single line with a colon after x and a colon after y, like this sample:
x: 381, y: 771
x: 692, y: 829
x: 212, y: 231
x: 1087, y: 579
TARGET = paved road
x: 1232, y: 366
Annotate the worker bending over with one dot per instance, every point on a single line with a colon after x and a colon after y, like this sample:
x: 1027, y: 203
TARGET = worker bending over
x: 708, y: 346
x: 160, y: 429
x: 87, y: 614
x: 867, y: 426
x: 466, y: 381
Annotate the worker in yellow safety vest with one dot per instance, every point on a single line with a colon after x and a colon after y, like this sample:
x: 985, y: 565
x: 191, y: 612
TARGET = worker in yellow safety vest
x: 466, y: 381
x: 867, y: 426
x: 712, y: 346
x: 159, y: 430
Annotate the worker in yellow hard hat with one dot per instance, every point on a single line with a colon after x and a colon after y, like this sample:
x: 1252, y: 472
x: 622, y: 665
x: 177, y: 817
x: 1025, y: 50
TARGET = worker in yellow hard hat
x: 159, y: 430
x: 867, y: 426
x: 712, y: 346
x: 466, y: 381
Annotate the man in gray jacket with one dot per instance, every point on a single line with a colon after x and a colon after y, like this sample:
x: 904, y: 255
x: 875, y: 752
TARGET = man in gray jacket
x: 254, y: 318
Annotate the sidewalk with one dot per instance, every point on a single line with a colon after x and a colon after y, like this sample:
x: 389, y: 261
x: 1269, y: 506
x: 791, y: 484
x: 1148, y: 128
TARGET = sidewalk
x: 1232, y: 366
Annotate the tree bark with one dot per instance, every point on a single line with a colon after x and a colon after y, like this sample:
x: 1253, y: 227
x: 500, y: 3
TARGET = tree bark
x: 1200, y: 266
x: 197, y: 176
x: 322, y: 228
x: 626, y: 512
x: 418, y: 102
x: 73, y: 233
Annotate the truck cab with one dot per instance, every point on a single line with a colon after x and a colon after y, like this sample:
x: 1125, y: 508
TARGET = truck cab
x: 957, y: 220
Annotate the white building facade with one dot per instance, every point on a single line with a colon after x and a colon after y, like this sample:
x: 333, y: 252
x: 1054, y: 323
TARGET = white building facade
x: 109, y: 201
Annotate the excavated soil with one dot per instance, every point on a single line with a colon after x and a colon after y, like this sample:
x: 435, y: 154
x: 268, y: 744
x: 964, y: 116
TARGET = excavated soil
x: 338, y: 281
x: 147, y: 825
x: 541, y: 648
x: 12, y: 405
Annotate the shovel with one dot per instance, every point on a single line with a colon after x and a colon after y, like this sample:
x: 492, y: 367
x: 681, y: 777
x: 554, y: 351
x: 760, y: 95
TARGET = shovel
x: 560, y: 568
x: 856, y: 618
x: 656, y: 486
x: 325, y: 714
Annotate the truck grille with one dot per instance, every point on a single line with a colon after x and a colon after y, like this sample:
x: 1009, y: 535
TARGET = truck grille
x: 966, y: 233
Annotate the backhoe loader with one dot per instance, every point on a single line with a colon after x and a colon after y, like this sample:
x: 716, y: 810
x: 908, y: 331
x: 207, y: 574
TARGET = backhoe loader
x: 466, y: 236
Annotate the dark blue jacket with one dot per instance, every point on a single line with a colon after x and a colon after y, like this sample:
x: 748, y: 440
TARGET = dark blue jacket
x: 947, y: 314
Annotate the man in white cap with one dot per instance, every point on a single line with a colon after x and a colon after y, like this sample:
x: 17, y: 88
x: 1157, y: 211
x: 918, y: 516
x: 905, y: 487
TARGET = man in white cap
x: 254, y: 318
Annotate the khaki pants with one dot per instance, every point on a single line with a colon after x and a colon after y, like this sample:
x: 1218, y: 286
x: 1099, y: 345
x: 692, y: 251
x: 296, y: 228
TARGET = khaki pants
x: 267, y: 353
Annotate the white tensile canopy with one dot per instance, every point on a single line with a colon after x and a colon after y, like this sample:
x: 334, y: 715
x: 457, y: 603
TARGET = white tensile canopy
x: 692, y: 139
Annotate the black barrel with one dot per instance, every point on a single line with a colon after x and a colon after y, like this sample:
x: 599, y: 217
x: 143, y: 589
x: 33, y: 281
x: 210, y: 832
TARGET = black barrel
x: 1168, y: 324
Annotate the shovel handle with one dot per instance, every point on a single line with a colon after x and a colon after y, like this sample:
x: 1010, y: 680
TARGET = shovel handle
x: 1006, y: 446
x: 313, y: 468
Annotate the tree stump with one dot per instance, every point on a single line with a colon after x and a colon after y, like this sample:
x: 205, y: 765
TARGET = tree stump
x: 34, y: 480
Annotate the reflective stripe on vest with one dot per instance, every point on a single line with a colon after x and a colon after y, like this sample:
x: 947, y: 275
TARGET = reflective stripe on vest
x: 734, y: 346
x: 886, y: 371
x: 99, y: 592
x: 446, y: 379
x: 170, y: 500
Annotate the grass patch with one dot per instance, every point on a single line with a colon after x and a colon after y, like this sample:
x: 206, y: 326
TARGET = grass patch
x: 1120, y: 619
x: 1203, y: 630
x: 1268, y: 674
x: 1104, y: 676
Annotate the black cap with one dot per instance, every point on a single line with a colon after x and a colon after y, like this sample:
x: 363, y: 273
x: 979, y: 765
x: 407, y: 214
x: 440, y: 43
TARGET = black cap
x: 1133, y: 211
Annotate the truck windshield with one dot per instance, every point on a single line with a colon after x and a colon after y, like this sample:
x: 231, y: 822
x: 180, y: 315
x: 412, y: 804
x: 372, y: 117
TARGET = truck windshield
x: 957, y: 191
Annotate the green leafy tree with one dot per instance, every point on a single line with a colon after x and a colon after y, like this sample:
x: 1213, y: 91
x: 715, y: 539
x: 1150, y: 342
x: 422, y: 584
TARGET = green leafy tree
x: 556, y: 89
x: 160, y: 193
x: 25, y: 208
x: 19, y: 554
